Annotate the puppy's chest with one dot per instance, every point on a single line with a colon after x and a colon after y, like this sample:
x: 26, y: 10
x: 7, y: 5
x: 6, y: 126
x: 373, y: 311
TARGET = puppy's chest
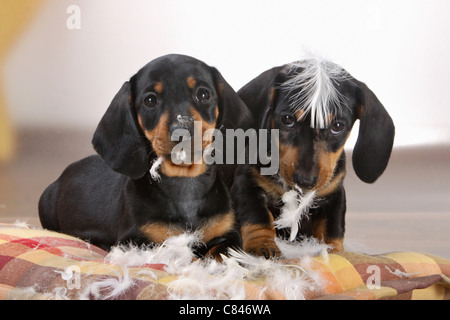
x: 189, y: 203
x: 189, y: 206
x: 186, y: 212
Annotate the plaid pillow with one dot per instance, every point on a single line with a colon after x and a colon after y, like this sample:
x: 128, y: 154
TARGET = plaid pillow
x: 41, y: 264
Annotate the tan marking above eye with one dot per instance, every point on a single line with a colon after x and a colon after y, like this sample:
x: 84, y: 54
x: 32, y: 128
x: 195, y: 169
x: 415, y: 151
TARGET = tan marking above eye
x: 300, y: 114
x: 191, y: 82
x: 158, y: 87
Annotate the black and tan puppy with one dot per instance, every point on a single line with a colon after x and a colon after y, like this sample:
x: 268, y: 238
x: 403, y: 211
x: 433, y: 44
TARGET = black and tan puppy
x: 112, y: 197
x: 314, y: 104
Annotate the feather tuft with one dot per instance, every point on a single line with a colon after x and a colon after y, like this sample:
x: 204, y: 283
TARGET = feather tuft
x: 109, y: 287
x: 291, y: 279
x: 154, y: 169
x: 296, y: 206
x: 314, y: 90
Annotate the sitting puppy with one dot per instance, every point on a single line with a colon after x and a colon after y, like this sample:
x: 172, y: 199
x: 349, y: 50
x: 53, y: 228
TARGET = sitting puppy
x: 113, y: 198
x: 313, y: 103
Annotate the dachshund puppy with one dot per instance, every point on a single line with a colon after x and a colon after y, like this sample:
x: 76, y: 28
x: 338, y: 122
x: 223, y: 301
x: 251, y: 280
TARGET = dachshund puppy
x: 112, y: 197
x: 313, y: 105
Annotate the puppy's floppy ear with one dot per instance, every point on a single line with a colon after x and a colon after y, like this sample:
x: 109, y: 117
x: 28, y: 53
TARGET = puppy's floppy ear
x: 375, y: 138
x: 233, y: 113
x: 260, y: 93
x: 117, y: 139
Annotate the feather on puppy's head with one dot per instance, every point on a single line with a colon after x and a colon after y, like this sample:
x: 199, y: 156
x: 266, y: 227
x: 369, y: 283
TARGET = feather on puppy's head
x: 312, y: 89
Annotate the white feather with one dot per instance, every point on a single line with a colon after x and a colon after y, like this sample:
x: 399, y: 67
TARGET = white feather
x: 399, y: 273
x: 154, y: 169
x: 296, y: 206
x: 318, y: 94
x: 181, y: 155
x: 291, y: 279
x: 208, y: 278
x: 176, y: 252
x: 109, y: 287
x: 22, y: 224
x: 184, y: 120
x: 307, y: 247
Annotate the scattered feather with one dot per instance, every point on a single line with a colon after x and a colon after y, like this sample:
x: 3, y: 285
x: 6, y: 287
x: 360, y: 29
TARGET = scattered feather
x: 191, y: 278
x: 211, y: 279
x: 175, y: 251
x: 22, y: 224
x: 399, y: 273
x: 307, y: 247
x: 110, y: 286
x: 154, y: 169
x: 290, y: 279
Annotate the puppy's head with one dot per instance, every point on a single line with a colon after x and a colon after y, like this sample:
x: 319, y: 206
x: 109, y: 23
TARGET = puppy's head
x: 314, y: 104
x: 172, y: 98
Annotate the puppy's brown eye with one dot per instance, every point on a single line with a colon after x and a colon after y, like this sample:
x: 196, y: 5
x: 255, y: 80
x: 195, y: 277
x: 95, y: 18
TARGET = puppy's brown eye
x: 203, y: 95
x: 337, y: 128
x: 288, y: 120
x: 151, y: 100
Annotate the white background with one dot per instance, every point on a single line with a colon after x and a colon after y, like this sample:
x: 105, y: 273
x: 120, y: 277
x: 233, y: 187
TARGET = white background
x: 56, y: 77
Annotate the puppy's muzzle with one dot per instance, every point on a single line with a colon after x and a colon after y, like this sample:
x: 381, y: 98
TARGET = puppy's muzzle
x: 305, y: 181
x: 181, y: 128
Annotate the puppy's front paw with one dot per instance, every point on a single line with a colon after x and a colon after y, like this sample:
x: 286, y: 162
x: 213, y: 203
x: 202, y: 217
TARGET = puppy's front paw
x: 259, y: 240
x: 337, y: 245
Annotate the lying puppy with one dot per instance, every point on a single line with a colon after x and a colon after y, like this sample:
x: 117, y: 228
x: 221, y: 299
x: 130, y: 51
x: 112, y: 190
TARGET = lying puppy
x: 313, y: 104
x: 113, y: 198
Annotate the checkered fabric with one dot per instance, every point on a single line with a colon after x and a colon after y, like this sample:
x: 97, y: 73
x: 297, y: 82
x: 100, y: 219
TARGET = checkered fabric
x: 40, y: 264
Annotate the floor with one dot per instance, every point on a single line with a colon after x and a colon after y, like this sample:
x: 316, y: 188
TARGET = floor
x: 407, y: 209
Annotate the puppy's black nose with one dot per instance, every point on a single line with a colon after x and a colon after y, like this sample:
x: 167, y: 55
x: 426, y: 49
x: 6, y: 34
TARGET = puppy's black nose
x: 175, y: 126
x: 184, y: 132
x: 305, y: 182
x: 181, y: 122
